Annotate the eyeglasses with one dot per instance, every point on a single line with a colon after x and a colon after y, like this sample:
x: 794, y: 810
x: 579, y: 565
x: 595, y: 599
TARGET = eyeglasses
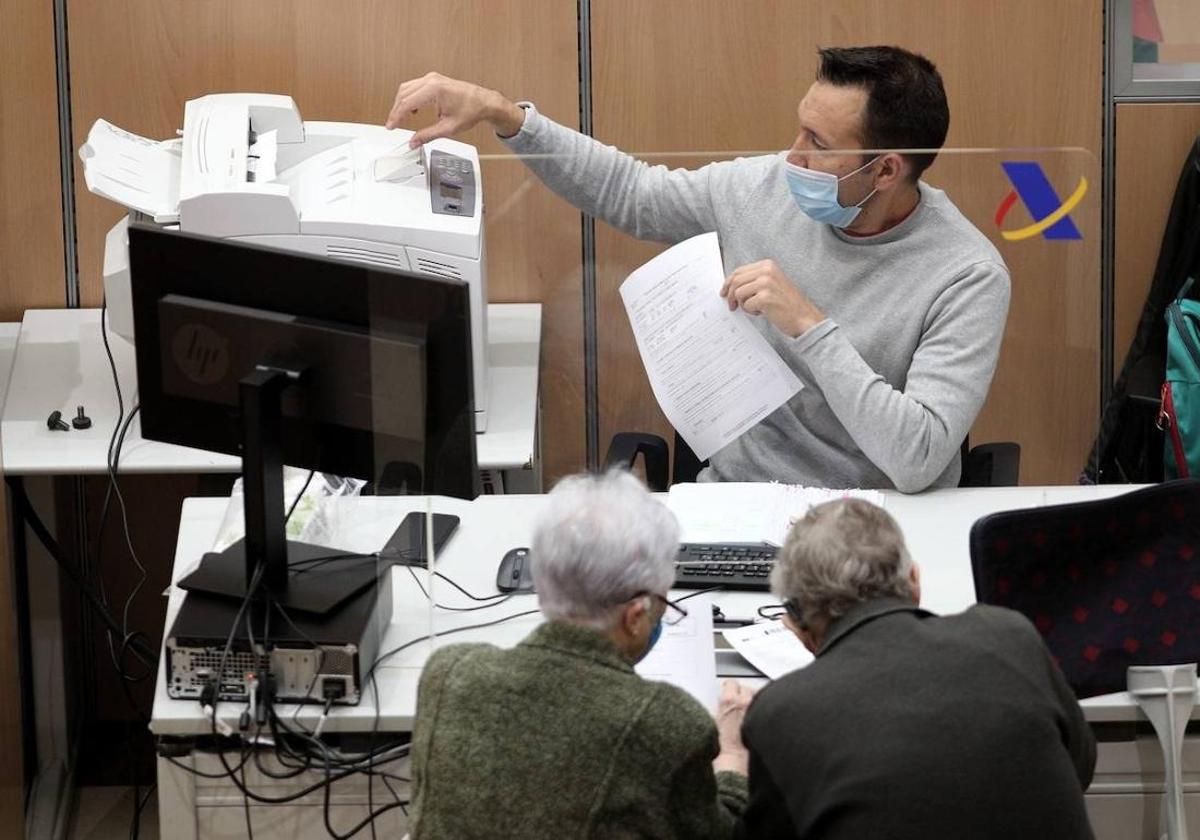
x: 792, y: 606
x: 672, y: 614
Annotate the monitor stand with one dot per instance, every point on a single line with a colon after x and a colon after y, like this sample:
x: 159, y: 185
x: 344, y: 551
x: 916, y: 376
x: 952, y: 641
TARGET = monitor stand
x: 316, y: 584
x: 290, y: 574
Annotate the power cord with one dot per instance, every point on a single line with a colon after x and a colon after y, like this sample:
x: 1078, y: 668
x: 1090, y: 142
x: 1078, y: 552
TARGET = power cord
x: 143, y: 651
x: 115, y: 443
x: 294, y: 745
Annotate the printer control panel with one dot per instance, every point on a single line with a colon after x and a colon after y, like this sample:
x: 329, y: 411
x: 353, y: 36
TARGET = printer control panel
x: 451, y: 184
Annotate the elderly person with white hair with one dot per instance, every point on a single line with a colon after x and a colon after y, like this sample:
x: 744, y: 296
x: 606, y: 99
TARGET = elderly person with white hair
x: 559, y: 737
x: 907, y: 724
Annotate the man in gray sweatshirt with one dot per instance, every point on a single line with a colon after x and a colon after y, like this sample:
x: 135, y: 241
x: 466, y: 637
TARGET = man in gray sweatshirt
x: 884, y: 299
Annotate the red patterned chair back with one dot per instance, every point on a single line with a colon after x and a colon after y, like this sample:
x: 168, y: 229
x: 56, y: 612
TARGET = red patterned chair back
x: 1109, y: 583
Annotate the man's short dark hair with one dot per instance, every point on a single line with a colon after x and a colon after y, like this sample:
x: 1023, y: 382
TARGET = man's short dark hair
x: 906, y: 103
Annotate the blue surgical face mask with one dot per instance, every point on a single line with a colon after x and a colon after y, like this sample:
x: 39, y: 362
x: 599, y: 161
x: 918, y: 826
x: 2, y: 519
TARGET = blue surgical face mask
x: 655, y: 634
x: 816, y: 193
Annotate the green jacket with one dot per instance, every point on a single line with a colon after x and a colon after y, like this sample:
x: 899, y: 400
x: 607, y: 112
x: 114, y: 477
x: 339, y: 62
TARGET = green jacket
x: 559, y: 738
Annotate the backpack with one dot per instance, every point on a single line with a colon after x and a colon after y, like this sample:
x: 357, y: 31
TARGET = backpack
x: 1179, y: 413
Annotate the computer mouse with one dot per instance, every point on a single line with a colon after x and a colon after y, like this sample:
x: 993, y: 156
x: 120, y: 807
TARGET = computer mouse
x: 515, y: 574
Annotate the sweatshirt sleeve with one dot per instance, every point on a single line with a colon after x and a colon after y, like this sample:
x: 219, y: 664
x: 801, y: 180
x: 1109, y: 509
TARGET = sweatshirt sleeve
x: 648, y: 202
x: 911, y: 434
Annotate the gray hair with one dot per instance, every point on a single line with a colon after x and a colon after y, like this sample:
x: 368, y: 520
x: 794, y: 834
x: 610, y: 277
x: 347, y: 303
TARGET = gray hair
x: 840, y: 554
x: 600, y: 540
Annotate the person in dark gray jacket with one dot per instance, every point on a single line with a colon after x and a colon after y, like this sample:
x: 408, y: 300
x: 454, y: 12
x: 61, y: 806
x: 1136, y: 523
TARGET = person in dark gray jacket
x: 907, y: 724
x: 559, y: 737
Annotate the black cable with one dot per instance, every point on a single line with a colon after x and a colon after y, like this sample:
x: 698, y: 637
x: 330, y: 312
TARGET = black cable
x: 115, y: 443
x: 125, y: 682
x: 143, y: 575
x: 299, y: 496
x: 700, y: 592
x: 112, y: 364
x: 98, y: 565
x: 367, y: 763
x: 135, y: 829
x: 501, y: 600
x: 173, y: 760
x: 27, y: 513
x: 372, y: 759
x: 308, y: 564
x: 251, y: 588
x: 395, y: 795
x: 114, y: 457
x: 320, y: 650
x: 468, y: 594
x: 399, y: 648
x: 113, y: 464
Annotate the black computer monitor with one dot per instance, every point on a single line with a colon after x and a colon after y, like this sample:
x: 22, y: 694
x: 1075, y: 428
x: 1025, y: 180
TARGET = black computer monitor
x: 288, y: 358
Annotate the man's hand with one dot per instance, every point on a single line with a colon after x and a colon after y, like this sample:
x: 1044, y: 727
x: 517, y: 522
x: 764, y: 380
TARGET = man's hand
x: 731, y: 711
x: 761, y: 288
x: 460, y: 106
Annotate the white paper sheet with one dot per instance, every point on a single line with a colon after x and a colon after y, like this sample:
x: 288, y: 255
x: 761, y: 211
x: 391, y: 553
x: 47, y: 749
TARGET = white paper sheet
x: 724, y: 511
x: 263, y: 156
x: 769, y: 646
x: 684, y: 655
x: 712, y: 373
x: 748, y: 512
x: 399, y: 164
x: 140, y: 173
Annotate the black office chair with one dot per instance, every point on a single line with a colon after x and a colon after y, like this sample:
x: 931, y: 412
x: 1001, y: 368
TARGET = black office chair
x: 986, y: 465
x: 1109, y: 583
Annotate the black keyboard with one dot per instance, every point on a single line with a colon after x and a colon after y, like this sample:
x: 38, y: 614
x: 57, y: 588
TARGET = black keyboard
x: 724, y: 565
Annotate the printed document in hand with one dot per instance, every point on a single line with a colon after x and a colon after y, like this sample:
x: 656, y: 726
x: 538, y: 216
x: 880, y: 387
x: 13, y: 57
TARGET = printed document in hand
x: 684, y: 655
x: 713, y: 373
x: 769, y: 646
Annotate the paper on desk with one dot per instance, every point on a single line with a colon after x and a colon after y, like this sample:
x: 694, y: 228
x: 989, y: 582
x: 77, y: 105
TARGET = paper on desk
x: 748, y: 512
x: 684, y: 655
x: 712, y: 373
x: 769, y: 646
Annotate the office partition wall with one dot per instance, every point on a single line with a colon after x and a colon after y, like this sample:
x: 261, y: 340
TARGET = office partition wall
x: 1023, y: 80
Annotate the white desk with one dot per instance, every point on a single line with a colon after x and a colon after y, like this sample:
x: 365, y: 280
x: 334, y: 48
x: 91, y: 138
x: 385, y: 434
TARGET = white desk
x: 936, y: 526
x: 61, y: 364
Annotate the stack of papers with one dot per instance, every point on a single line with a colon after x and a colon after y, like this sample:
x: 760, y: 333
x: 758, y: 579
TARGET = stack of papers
x: 745, y: 512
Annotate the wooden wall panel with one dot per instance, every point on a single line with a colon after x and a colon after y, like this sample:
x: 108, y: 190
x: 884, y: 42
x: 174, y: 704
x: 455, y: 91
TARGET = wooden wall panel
x: 135, y: 63
x: 32, y: 270
x: 1152, y: 143
x: 32, y: 273
x: 694, y: 75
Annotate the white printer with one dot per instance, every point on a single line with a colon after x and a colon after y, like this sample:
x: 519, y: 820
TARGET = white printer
x: 248, y: 168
